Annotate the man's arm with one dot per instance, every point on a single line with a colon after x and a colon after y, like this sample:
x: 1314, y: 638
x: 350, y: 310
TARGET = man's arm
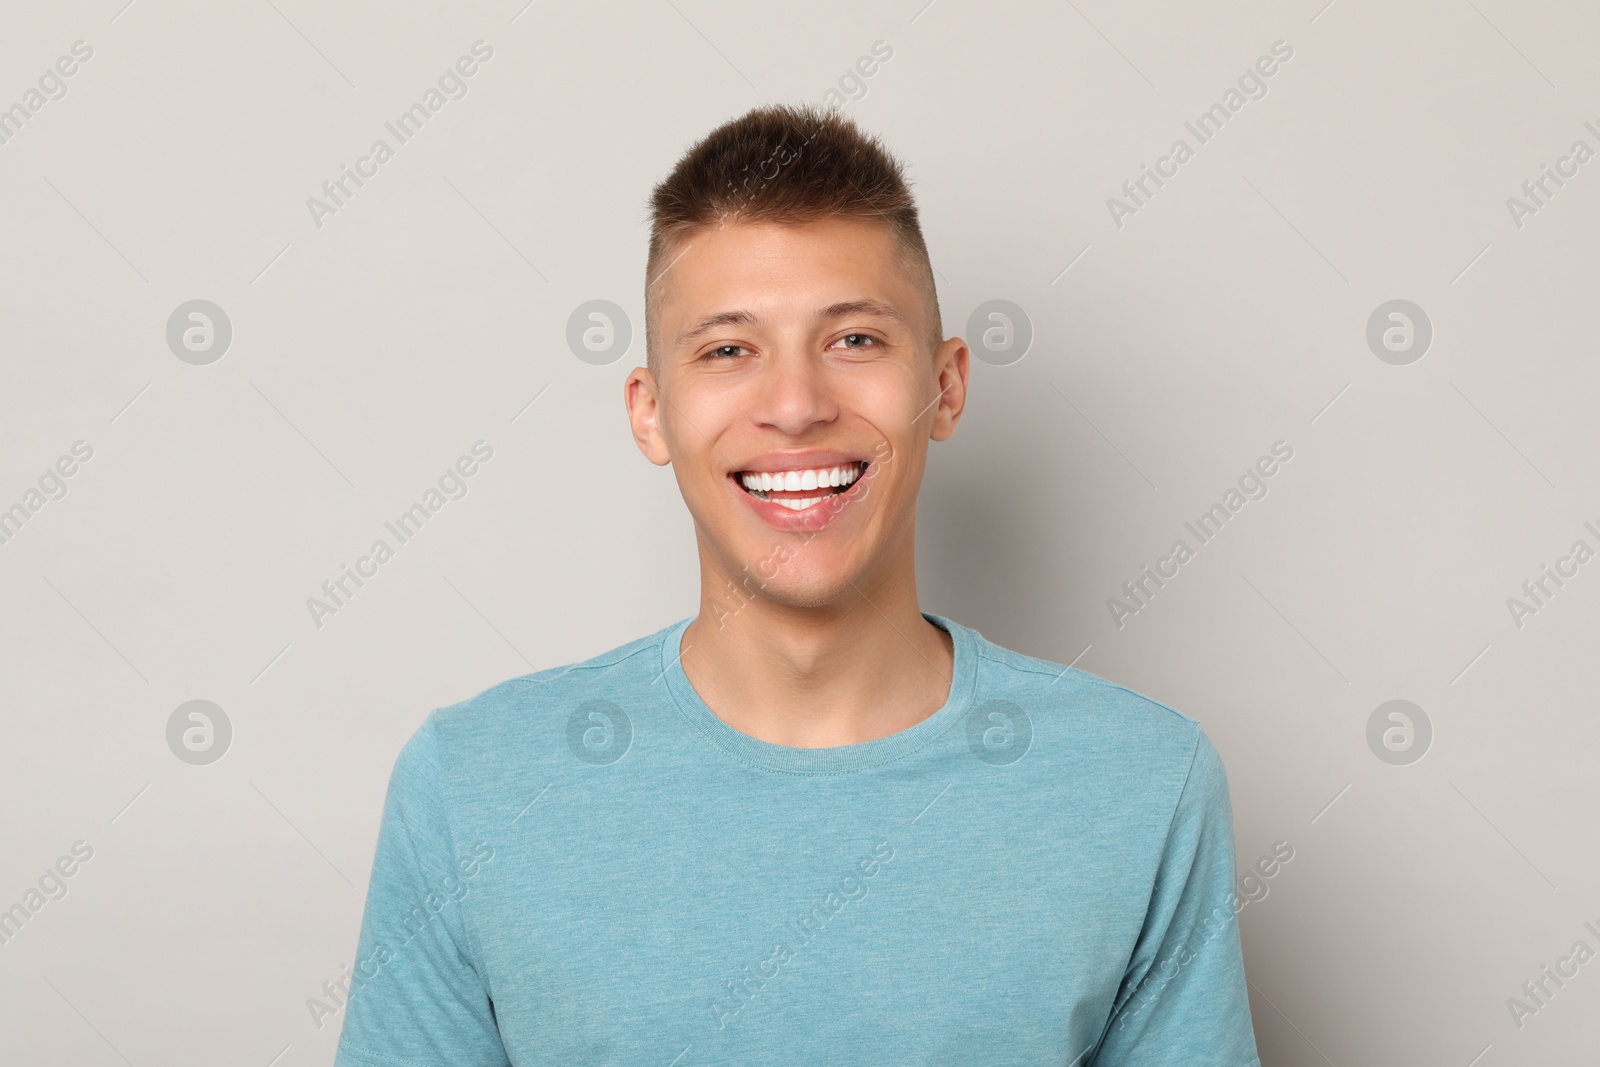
x: 418, y: 998
x: 1184, y: 999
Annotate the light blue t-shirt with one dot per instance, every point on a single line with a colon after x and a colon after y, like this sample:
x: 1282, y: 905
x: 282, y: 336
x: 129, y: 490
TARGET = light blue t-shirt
x: 586, y: 866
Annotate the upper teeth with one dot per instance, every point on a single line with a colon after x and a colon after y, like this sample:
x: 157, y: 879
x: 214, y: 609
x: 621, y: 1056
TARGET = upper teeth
x: 819, y: 478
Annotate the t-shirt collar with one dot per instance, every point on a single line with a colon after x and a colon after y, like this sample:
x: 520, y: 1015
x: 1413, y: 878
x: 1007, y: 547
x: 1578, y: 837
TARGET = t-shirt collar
x: 842, y: 759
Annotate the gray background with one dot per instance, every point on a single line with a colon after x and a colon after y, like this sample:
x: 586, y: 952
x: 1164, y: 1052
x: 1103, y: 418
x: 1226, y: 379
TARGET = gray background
x: 369, y: 353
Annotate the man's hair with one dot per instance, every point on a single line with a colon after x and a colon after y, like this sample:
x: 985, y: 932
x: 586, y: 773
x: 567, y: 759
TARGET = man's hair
x: 786, y: 164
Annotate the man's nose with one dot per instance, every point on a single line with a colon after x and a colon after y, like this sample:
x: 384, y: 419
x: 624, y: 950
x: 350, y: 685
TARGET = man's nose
x: 798, y: 392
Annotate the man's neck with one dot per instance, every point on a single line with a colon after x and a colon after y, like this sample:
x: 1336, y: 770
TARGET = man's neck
x: 863, y: 668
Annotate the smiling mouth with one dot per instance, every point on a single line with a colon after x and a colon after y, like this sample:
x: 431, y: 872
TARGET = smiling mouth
x: 803, y: 488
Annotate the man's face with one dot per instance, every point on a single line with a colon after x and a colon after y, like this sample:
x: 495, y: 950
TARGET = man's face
x: 788, y: 349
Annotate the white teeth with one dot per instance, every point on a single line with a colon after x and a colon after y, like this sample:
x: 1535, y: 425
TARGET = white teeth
x: 801, y: 504
x: 799, y: 481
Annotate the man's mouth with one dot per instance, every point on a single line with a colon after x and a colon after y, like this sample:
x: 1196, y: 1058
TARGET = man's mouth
x: 801, y: 488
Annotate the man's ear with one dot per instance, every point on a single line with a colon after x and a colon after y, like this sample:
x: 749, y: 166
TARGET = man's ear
x: 952, y: 363
x: 641, y: 395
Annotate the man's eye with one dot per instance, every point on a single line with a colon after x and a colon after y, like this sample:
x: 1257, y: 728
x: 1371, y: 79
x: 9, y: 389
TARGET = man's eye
x: 725, y: 351
x: 858, y: 340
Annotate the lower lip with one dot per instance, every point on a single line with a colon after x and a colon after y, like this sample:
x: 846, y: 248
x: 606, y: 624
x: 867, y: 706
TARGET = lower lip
x: 810, y: 520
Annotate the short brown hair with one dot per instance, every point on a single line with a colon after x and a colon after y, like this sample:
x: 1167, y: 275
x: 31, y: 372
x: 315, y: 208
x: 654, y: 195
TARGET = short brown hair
x: 785, y: 164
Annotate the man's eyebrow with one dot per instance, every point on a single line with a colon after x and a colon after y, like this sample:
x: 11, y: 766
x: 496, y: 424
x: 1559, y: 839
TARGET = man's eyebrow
x: 740, y: 317
x: 711, y: 322
x: 847, y: 308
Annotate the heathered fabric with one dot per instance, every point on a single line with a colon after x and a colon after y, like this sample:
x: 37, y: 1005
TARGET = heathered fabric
x: 586, y: 866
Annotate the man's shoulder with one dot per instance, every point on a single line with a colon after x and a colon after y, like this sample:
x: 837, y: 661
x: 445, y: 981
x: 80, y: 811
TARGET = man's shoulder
x: 1139, y: 755
x: 523, y: 706
x: 1094, y: 709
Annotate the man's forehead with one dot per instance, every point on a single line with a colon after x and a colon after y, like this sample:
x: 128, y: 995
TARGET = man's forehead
x: 778, y: 240
x: 717, y: 264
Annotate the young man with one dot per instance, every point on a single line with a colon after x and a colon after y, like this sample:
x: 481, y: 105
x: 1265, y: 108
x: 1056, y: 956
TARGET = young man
x: 811, y: 824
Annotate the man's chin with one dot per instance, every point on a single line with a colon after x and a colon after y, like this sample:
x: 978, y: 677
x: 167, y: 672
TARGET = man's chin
x: 813, y: 596
x: 796, y: 584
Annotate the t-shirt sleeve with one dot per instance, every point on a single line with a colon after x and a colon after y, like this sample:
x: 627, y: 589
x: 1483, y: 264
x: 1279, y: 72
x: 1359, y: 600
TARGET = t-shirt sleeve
x: 1183, y: 999
x: 418, y: 996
